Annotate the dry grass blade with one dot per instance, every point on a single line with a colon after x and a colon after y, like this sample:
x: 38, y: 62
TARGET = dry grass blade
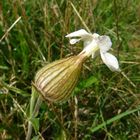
x: 84, y: 24
x: 6, y: 33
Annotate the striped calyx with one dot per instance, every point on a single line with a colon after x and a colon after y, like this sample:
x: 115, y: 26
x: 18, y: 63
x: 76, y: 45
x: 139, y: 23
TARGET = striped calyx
x: 57, y: 80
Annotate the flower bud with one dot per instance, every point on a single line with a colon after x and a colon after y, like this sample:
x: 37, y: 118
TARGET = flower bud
x: 57, y: 80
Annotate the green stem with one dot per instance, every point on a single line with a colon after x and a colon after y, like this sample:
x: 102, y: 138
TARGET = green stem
x: 34, y: 108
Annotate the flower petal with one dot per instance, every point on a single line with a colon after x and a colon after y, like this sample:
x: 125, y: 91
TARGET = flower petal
x: 73, y: 41
x: 111, y: 61
x: 91, y: 48
x: 79, y: 33
x: 95, y: 35
x: 88, y: 40
x: 104, y: 43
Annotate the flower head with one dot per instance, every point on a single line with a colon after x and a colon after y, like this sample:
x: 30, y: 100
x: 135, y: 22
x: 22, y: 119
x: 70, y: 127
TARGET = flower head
x: 56, y: 81
x: 95, y: 44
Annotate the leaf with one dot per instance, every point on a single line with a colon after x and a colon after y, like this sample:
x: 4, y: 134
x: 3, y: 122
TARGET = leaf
x: 35, y: 138
x: 62, y: 135
x: 35, y: 123
x: 88, y: 83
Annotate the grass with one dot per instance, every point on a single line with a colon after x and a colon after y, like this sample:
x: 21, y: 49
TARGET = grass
x: 104, y: 105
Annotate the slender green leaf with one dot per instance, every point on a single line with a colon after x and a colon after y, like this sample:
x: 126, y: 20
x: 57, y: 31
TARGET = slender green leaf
x: 126, y: 113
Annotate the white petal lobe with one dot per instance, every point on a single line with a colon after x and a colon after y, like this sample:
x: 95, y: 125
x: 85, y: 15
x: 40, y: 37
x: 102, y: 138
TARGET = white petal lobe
x: 104, y: 43
x: 111, y: 61
x: 95, y: 35
x: 78, y: 33
x: 73, y: 41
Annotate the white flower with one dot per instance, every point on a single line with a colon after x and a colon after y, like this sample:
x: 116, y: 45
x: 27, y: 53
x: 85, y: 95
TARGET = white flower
x: 95, y: 44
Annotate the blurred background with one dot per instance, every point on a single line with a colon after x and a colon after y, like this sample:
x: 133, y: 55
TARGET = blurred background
x: 106, y: 100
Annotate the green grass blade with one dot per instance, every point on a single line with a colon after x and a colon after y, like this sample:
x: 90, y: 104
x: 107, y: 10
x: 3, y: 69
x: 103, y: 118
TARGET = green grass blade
x: 100, y: 126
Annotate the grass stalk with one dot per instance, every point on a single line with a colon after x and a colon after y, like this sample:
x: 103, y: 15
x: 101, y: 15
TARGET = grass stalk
x: 84, y: 24
x: 9, y: 29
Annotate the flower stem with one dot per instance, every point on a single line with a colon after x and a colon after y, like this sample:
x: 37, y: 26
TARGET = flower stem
x: 34, y: 108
